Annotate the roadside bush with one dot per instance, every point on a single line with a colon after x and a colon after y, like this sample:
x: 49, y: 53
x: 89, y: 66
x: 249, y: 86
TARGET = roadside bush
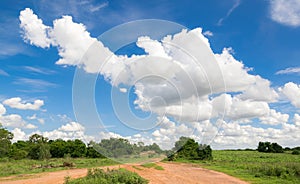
x: 121, y: 176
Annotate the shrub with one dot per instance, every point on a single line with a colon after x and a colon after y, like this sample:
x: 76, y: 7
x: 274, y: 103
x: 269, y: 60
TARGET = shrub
x: 296, y: 152
x: 109, y: 177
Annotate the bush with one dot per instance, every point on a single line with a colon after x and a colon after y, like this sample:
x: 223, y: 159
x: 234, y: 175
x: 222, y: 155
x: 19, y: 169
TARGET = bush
x: 268, y: 147
x: 189, y: 149
x: 296, y: 152
x: 109, y: 177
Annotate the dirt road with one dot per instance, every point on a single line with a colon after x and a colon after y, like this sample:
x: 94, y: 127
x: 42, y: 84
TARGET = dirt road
x: 173, y: 173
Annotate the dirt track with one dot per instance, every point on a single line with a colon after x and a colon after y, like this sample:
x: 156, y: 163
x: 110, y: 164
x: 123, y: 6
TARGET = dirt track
x: 173, y: 173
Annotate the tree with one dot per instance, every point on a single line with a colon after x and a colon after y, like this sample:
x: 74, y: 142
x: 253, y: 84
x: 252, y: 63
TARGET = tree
x: 268, y: 147
x: 5, y: 141
x: 190, y: 150
x: 39, y: 147
x: 58, y: 148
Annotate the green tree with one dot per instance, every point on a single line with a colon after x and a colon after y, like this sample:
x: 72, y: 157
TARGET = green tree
x: 188, y: 148
x: 5, y: 141
x: 58, y: 148
x: 268, y: 147
x: 39, y: 147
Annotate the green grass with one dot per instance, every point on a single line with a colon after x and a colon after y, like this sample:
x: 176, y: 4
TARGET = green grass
x: 27, y: 166
x: 153, y: 165
x: 109, y: 177
x: 256, y: 167
x: 137, y: 168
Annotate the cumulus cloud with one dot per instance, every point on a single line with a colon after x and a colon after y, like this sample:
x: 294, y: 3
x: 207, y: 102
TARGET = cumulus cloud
x: 71, y: 127
x: 35, y: 32
x: 12, y: 120
x: 292, y: 92
x: 274, y: 118
x: 2, y: 110
x: 68, y: 131
x: 180, y: 78
x: 17, y: 103
x: 19, y: 134
x: 297, y: 120
x: 285, y: 12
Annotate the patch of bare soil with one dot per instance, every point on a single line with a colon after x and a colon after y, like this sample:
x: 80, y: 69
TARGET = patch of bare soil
x: 173, y: 173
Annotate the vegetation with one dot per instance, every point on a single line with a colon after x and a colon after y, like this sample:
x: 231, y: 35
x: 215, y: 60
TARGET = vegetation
x: 152, y: 165
x: 268, y: 147
x: 121, y: 176
x: 28, y: 166
x: 41, y: 148
x: 254, y: 166
x: 189, y: 149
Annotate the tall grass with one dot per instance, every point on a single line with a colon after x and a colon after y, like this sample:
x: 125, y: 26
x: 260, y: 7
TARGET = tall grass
x: 257, y: 167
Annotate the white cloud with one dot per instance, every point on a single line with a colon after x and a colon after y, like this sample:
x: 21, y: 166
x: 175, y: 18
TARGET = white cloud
x: 34, y: 117
x: 292, y: 70
x: 208, y: 33
x: 286, y: 12
x: 274, y: 118
x: 98, y: 7
x: 188, y: 83
x: 12, y: 120
x: 35, y: 32
x: 297, y: 120
x: 2, y: 109
x: 17, y: 103
x: 3, y: 73
x: 292, y: 92
x: 71, y: 127
x: 247, y: 109
x: 234, y: 6
x: 260, y: 91
x: 123, y: 90
x: 19, y: 134
x: 234, y: 135
x: 30, y: 126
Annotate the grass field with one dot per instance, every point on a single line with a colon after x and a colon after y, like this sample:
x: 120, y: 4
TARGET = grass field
x: 27, y: 166
x: 256, y: 167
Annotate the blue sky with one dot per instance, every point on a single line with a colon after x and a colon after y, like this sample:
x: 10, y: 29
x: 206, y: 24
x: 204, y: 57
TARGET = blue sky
x: 262, y: 52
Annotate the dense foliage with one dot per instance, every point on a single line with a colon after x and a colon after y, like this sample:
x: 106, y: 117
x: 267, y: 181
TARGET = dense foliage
x: 120, y: 176
x: 187, y: 148
x: 268, y: 147
x: 39, y: 148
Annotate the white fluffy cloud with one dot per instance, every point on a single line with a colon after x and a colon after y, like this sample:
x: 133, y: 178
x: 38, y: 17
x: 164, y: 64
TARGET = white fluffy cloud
x: 179, y: 78
x: 19, y: 134
x: 2, y: 110
x: 35, y: 32
x: 17, y: 103
x: 274, y: 118
x: 297, y: 120
x: 71, y: 127
x: 71, y: 130
x: 286, y: 12
x: 292, y: 92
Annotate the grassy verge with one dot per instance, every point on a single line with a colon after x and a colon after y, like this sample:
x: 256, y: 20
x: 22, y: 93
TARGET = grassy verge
x: 109, y: 177
x: 27, y: 166
x: 255, y: 167
x: 153, y: 165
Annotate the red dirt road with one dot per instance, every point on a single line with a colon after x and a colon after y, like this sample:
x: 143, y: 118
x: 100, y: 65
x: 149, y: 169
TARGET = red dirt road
x: 173, y: 173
